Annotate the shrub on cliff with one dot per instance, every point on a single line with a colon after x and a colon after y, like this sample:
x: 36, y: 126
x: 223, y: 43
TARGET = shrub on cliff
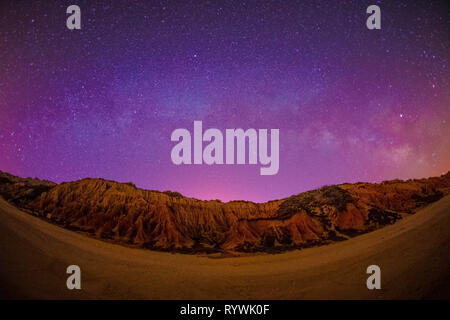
x: 308, y: 201
x: 173, y: 194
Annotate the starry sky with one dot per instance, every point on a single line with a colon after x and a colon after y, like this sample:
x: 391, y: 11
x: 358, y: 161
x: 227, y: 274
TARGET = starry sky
x: 351, y: 104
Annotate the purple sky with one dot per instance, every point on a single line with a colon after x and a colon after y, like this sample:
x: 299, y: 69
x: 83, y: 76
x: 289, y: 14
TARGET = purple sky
x: 351, y: 104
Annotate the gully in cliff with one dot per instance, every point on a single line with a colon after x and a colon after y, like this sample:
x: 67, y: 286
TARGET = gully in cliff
x: 214, y: 152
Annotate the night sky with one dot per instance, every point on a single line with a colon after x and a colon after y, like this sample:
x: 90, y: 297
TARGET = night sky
x: 351, y: 104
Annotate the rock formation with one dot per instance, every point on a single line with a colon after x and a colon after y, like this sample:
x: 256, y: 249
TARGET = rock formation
x: 169, y: 221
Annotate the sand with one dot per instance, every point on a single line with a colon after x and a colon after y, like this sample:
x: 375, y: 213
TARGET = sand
x: 413, y: 254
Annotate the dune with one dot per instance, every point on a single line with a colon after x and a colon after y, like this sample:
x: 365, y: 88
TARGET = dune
x: 412, y: 254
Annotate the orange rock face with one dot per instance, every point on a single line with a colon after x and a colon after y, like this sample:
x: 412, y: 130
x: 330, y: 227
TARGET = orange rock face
x: 169, y: 221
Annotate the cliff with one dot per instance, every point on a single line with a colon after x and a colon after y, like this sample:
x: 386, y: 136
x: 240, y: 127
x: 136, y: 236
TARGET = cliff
x: 169, y: 221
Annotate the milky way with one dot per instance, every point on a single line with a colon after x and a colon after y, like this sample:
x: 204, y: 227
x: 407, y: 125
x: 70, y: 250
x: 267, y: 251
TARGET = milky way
x: 351, y: 104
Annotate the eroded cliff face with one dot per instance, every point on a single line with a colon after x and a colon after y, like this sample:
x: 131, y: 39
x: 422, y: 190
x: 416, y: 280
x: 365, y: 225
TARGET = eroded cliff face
x: 21, y: 191
x: 169, y: 221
